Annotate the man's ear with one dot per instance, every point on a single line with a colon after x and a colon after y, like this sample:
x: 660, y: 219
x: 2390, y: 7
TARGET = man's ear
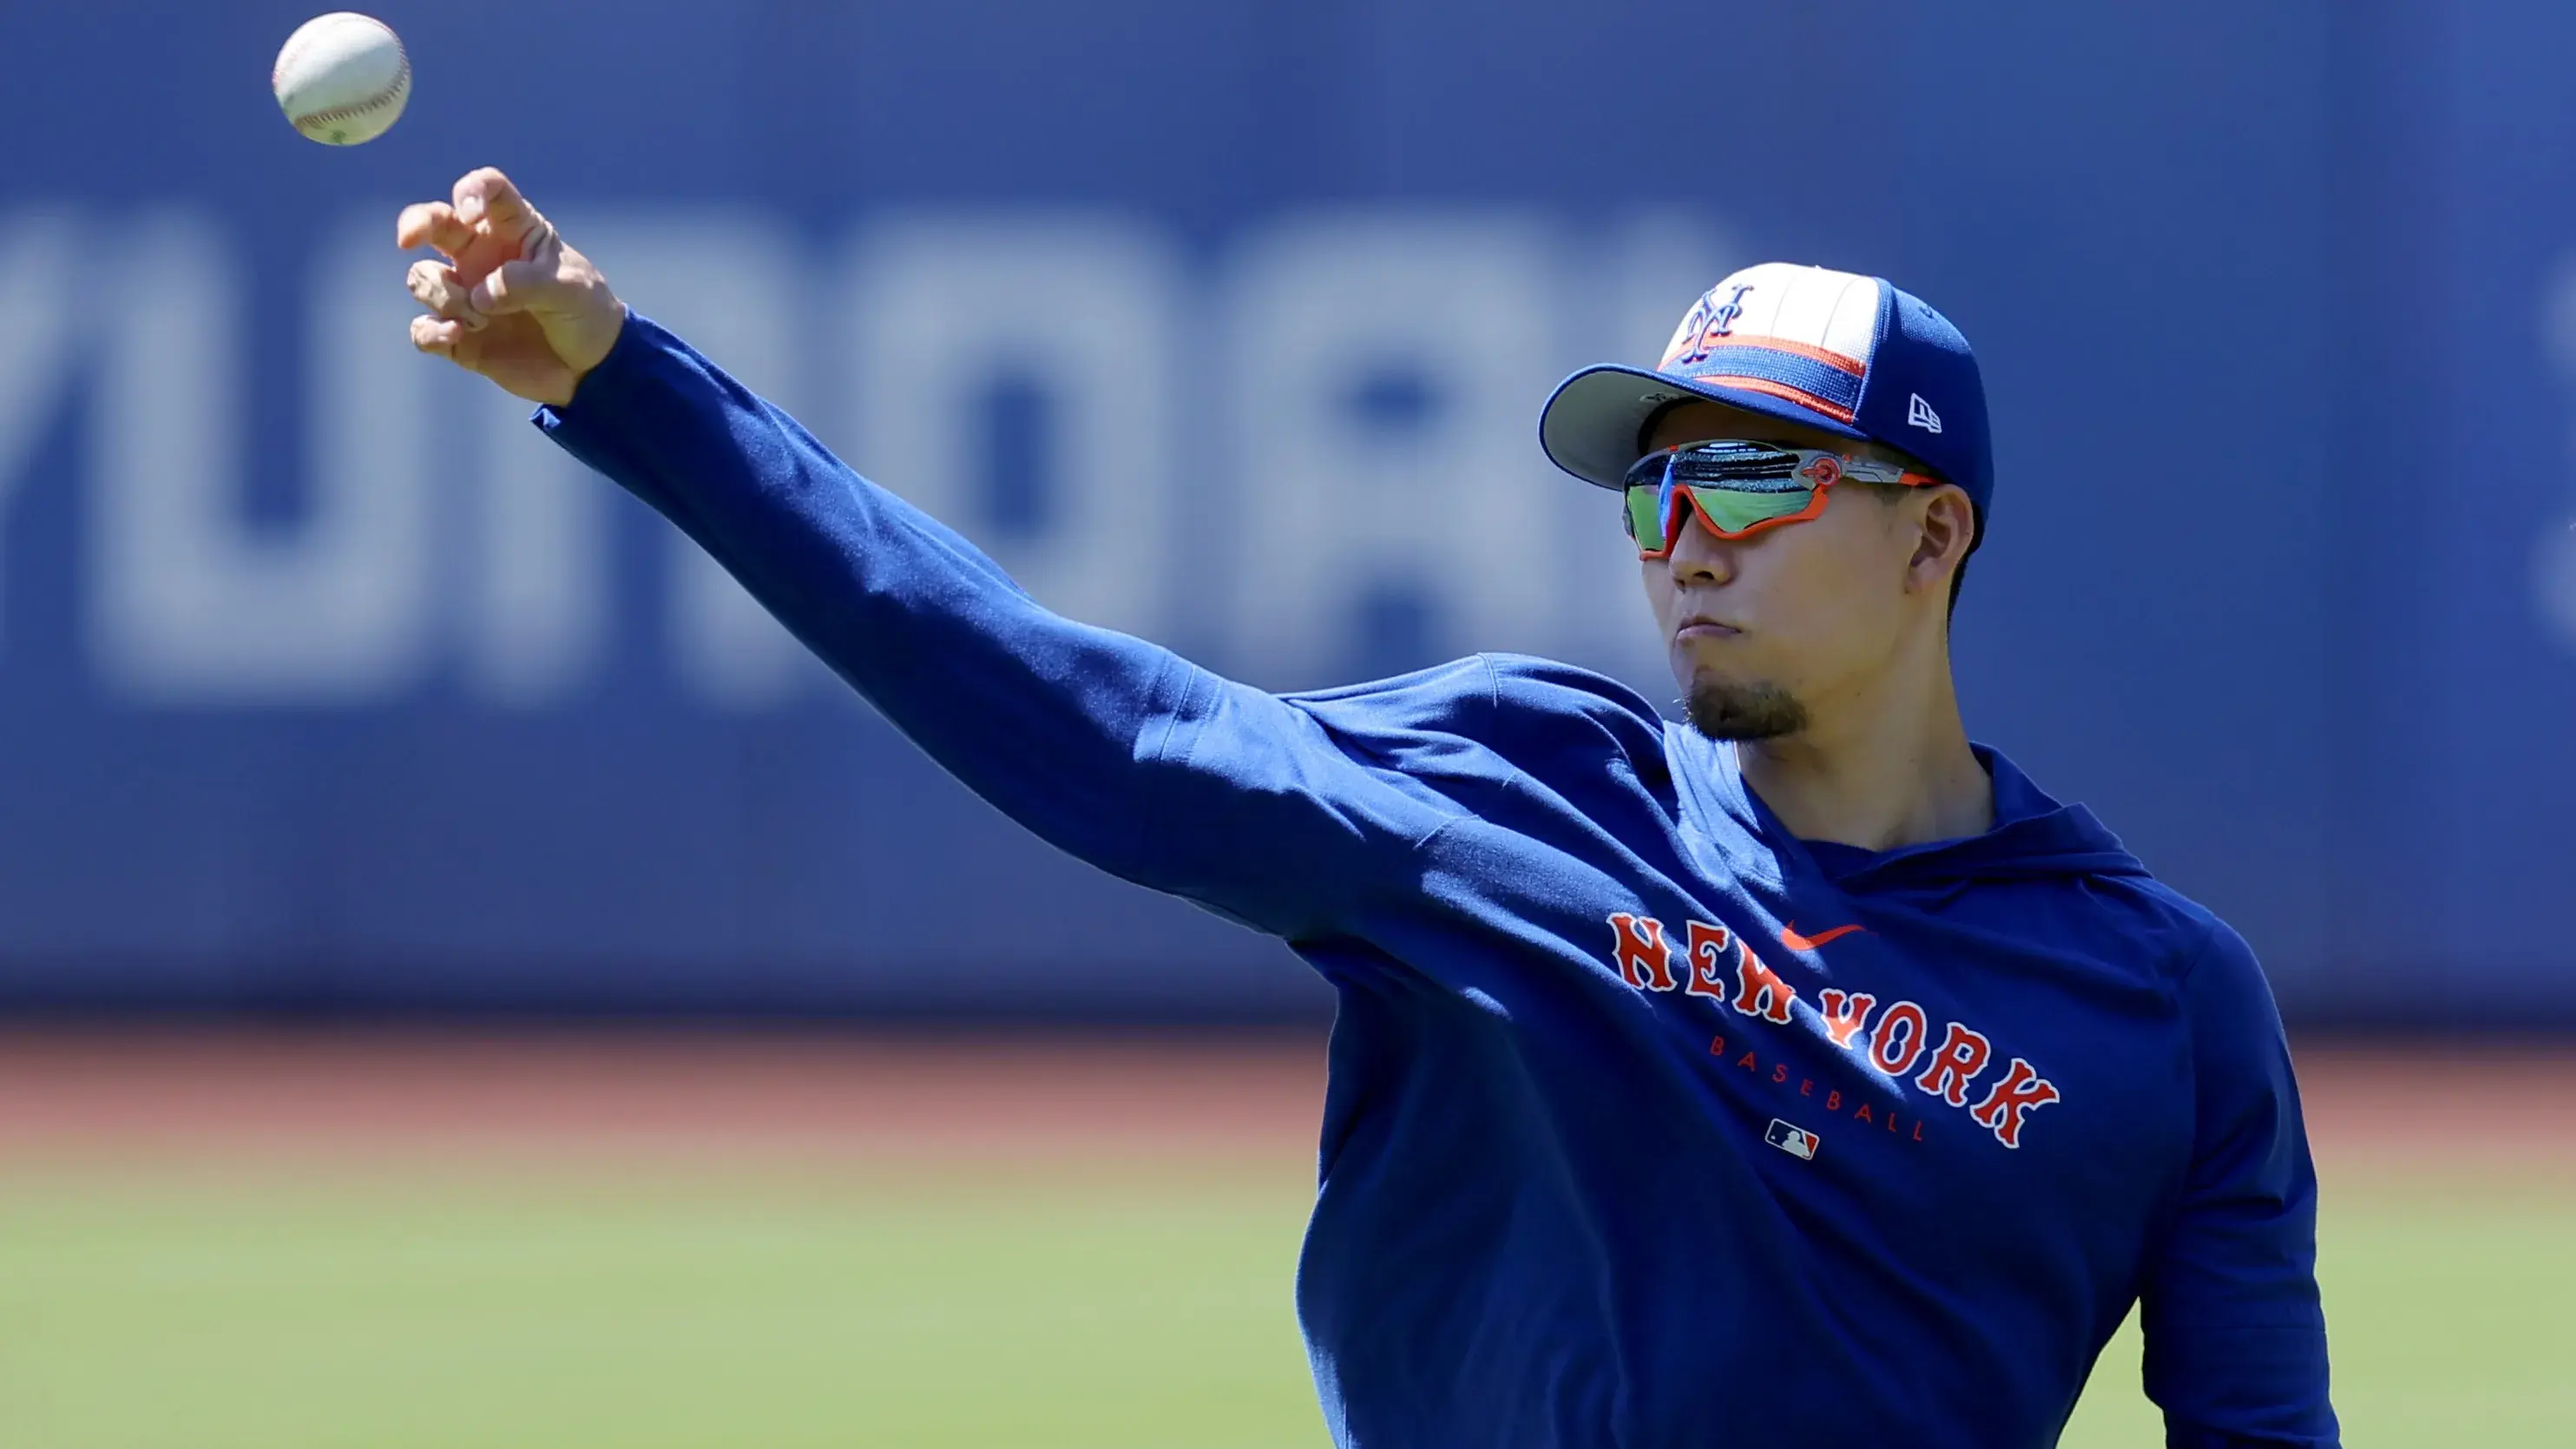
x: 1947, y: 530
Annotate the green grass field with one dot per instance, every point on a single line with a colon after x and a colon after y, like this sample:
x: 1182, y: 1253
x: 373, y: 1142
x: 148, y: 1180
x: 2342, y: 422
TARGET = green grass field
x: 494, y: 1307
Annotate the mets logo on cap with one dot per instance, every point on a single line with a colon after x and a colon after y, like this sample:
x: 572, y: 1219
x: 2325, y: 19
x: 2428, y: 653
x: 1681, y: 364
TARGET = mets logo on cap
x: 1801, y: 334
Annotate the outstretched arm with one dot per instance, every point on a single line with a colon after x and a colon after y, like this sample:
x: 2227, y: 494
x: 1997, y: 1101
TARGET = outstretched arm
x: 1114, y: 749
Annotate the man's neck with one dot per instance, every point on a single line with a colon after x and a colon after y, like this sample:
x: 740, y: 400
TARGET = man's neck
x: 1885, y: 768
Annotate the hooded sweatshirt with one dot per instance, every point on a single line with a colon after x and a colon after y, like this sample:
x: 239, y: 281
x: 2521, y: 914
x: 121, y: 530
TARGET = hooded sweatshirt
x: 1648, y: 1124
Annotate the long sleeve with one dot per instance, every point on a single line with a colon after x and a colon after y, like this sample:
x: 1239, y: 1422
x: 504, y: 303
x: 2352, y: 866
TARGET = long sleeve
x: 2235, y: 1333
x: 1111, y: 748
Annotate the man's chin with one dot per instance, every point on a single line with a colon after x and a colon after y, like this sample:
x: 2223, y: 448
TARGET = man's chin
x: 1727, y: 709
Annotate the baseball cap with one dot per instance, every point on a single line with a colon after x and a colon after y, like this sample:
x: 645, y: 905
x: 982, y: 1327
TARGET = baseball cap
x: 1848, y: 354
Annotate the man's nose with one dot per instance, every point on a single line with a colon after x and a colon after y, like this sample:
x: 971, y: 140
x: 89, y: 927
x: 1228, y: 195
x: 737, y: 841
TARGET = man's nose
x: 1699, y: 556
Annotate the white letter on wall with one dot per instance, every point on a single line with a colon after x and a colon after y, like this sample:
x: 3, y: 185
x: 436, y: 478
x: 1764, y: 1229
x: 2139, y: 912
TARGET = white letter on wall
x: 2553, y: 556
x: 193, y: 602
x: 727, y: 282
x: 39, y: 277
x: 1071, y: 323
x: 1390, y: 503
x: 539, y: 620
x: 536, y: 602
x: 1625, y: 292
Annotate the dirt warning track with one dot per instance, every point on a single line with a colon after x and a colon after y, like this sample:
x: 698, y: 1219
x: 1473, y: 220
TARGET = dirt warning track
x: 93, y: 1094
x: 178, y: 1094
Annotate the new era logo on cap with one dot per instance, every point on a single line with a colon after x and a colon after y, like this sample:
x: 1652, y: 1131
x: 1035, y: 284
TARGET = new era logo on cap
x: 1798, y: 1142
x: 1920, y: 414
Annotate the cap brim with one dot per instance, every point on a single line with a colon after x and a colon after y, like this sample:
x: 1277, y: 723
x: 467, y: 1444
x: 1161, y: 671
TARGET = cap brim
x: 1590, y: 426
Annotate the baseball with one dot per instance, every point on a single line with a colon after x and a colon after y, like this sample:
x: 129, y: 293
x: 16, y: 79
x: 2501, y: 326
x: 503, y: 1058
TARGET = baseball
x: 342, y: 78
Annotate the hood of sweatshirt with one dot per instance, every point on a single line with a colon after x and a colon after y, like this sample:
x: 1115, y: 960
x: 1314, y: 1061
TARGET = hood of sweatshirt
x: 2034, y: 836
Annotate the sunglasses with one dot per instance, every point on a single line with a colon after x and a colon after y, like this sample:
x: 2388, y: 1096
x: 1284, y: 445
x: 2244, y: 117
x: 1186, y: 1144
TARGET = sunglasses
x: 1740, y: 488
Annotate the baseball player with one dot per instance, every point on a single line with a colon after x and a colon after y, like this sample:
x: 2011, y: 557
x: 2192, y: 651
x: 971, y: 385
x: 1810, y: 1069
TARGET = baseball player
x: 1802, y: 1074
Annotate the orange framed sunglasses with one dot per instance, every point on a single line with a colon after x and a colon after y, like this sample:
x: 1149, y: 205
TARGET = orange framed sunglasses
x: 1739, y: 488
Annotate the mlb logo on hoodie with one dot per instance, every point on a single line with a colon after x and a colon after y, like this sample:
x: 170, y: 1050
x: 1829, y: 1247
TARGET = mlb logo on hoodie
x: 1798, y: 1142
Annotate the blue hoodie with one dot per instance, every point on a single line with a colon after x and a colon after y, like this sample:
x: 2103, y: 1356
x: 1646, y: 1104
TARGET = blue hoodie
x: 1648, y: 1123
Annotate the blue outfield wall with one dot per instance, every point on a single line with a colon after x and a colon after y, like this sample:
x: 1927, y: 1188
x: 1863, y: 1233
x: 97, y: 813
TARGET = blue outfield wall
x: 324, y: 682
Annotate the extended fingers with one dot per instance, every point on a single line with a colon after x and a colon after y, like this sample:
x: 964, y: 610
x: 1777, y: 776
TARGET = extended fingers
x: 484, y: 194
x: 436, y: 286
x: 432, y: 223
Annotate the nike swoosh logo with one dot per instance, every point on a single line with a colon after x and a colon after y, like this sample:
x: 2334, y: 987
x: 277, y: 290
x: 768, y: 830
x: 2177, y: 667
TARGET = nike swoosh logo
x: 1790, y: 938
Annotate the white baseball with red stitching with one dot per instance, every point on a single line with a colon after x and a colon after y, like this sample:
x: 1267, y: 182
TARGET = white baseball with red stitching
x: 342, y: 78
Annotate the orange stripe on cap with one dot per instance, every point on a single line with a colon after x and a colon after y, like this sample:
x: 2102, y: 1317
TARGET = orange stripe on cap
x: 1782, y: 390
x: 1834, y: 360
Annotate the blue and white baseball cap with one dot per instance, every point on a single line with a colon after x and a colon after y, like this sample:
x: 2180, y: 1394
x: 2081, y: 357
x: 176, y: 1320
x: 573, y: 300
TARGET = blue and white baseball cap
x: 1851, y: 355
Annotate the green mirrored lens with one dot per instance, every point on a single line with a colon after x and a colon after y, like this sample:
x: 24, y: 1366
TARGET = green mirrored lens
x: 1643, y: 525
x: 1736, y: 511
x: 1731, y: 509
